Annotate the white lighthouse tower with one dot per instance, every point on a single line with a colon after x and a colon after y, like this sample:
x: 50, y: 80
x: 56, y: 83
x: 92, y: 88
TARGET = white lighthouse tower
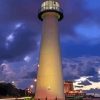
x: 50, y: 79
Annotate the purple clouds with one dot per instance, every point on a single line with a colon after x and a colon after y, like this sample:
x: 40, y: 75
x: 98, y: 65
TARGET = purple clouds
x: 20, y: 32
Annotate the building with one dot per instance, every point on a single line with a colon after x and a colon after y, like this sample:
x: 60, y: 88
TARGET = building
x: 49, y: 79
x: 68, y: 86
x: 69, y: 90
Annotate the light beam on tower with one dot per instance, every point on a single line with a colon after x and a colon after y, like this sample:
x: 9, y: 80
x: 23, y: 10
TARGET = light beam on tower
x: 50, y: 80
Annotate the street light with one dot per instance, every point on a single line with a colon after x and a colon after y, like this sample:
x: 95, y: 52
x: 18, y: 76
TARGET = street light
x: 13, y: 83
x: 38, y: 65
x: 27, y: 91
x: 31, y: 86
x: 35, y: 80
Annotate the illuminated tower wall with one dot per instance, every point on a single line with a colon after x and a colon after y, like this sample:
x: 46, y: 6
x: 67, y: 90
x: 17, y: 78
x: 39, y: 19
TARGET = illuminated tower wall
x: 50, y: 79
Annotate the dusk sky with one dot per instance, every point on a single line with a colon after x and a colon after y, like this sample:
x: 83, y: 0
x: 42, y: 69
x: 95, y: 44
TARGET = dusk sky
x: 20, y: 34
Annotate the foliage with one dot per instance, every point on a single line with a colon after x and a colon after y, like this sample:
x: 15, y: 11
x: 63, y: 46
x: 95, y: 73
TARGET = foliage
x: 8, y: 89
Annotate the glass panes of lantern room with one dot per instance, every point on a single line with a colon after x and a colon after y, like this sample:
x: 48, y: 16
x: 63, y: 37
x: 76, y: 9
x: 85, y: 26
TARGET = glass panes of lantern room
x: 50, y: 4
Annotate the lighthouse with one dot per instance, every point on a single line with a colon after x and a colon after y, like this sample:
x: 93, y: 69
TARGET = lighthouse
x: 50, y: 84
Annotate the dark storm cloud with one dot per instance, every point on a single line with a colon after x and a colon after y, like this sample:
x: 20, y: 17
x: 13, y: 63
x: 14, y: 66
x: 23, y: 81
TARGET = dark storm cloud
x: 13, y: 12
x: 23, y: 43
x: 86, y: 70
x: 95, y: 78
x: 73, y: 70
x: 31, y: 75
x: 18, y: 10
x: 74, y: 14
x: 80, y: 49
x: 81, y: 12
x: 85, y: 83
x: 6, y: 72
